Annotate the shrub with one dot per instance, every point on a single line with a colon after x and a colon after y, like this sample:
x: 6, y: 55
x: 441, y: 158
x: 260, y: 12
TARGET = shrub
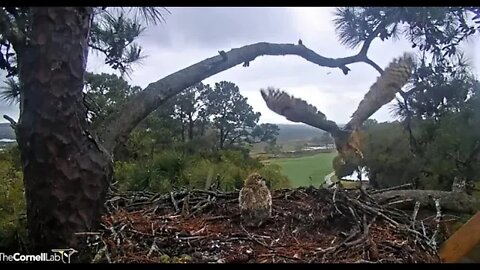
x: 275, y: 179
x: 12, y: 202
x: 159, y: 174
x: 226, y: 170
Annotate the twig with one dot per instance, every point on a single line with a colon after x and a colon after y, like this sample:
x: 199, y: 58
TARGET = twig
x: 249, y: 235
x: 415, y: 213
x: 200, y: 208
x: 367, y: 261
x: 13, y: 123
x: 213, y: 193
x: 373, y: 210
x: 391, y: 188
x: 334, y: 202
x: 185, y: 206
x: 195, y: 237
x: 102, y: 251
x: 87, y: 233
x: 175, y: 205
x: 438, y: 219
x: 153, y: 247
x: 423, y: 229
x: 321, y: 250
x: 399, y: 201
x: 364, y: 236
x: 216, y: 218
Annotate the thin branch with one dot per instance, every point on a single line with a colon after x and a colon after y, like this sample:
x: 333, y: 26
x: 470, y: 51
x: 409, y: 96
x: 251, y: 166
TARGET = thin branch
x: 415, y: 213
x: 438, y: 219
x: 371, y: 37
x: 408, y: 120
x: 13, y: 123
x: 175, y: 204
x: 98, y: 48
x: 142, y: 104
x: 373, y: 64
x: 392, y: 188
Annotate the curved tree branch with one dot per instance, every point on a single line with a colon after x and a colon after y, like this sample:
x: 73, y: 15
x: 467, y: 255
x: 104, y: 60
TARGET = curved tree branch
x: 373, y: 64
x: 13, y: 124
x: 119, y: 125
x: 370, y: 38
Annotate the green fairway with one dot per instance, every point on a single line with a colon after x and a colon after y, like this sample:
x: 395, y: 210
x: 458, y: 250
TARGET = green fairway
x: 300, y: 169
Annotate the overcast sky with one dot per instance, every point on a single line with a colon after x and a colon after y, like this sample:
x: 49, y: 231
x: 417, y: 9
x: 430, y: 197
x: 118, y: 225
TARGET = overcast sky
x: 192, y: 34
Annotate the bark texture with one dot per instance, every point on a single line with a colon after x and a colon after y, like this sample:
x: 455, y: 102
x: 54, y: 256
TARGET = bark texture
x: 454, y: 201
x: 66, y: 173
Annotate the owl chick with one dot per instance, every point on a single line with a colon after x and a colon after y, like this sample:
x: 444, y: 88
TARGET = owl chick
x: 255, y: 201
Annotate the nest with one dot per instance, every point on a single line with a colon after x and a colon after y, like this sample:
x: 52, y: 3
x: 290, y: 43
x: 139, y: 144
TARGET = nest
x: 308, y: 225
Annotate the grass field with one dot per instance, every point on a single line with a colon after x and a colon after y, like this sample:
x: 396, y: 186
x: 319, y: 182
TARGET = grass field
x: 300, y: 169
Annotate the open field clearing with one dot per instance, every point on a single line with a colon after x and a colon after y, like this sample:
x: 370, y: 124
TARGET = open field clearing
x: 300, y: 169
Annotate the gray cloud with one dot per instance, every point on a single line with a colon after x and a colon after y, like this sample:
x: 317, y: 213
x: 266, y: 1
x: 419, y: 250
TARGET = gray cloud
x: 211, y: 27
x: 10, y: 110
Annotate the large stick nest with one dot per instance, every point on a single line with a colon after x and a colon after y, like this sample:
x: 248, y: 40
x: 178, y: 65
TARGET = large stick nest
x: 307, y: 225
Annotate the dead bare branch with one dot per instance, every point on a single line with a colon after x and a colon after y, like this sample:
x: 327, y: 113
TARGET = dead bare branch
x: 453, y: 201
x: 138, y: 107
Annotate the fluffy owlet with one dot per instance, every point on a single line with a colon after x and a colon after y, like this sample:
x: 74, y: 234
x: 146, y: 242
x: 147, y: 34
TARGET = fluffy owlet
x: 255, y: 201
x: 380, y: 93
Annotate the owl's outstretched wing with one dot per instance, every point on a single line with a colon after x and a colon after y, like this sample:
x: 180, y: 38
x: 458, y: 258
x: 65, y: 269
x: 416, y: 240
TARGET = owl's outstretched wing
x: 383, y: 90
x: 297, y: 110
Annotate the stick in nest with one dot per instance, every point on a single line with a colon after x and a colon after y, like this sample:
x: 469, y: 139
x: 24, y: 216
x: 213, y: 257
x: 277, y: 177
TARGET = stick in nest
x: 334, y: 202
x: 438, y: 219
x: 392, y: 188
x: 252, y: 238
x: 365, y: 233
x: 175, y: 205
x: 415, y: 213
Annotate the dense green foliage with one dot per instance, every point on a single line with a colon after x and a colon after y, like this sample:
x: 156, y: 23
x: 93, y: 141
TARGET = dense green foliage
x: 12, y: 201
x: 434, y: 31
x: 437, y: 138
x: 388, y: 157
x: 439, y: 148
x: 197, y: 136
x: 171, y: 169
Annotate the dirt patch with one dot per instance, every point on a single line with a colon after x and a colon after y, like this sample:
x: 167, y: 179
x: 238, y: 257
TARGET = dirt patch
x: 307, y: 225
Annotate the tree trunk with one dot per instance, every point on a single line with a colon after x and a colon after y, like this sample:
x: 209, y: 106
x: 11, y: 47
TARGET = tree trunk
x: 183, y: 131
x: 66, y: 173
x: 454, y: 201
x: 221, y: 142
x: 191, y: 123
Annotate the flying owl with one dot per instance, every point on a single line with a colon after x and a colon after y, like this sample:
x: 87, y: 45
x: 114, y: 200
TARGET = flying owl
x: 347, y: 141
x: 255, y: 201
